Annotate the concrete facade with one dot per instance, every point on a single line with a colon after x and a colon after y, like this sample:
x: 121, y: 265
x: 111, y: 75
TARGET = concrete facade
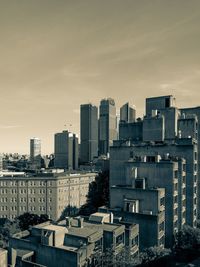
x: 168, y: 132
x: 3, y: 258
x: 168, y: 174
x: 75, y: 242
x: 145, y: 207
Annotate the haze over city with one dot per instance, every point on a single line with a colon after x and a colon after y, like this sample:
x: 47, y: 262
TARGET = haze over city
x: 56, y: 55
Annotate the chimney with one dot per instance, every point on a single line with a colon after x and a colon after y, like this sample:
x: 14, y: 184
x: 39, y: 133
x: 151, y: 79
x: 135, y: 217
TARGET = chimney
x: 111, y: 217
x: 68, y: 222
x: 80, y: 221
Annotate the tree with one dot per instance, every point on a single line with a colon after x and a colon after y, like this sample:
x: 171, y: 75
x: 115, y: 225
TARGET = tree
x: 7, y: 230
x: 153, y: 253
x: 28, y: 219
x: 187, y: 238
x: 98, y: 194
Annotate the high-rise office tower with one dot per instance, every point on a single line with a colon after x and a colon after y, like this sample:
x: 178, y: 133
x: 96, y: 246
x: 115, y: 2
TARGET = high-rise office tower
x: 66, y: 150
x: 89, y: 132
x: 127, y: 113
x: 35, y: 152
x: 1, y: 162
x: 107, y: 125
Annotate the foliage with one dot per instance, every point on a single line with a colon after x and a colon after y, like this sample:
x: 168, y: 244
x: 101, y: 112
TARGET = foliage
x: 7, y: 230
x: 98, y: 194
x: 28, y: 219
x: 153, y: 253
x: 69, y: 211
x: 187, y: 238
x: 21, y: 223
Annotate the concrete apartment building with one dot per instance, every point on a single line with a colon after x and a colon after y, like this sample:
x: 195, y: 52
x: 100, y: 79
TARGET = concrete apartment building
x: 66, y: 151
x: 165, y: 131
x: 76, y: 242
x: 50, y: 194
x: 152, y: 172
x: 107, y: 125
x: 3, y: 258
x: 143, y: 206
x: 89, y: 133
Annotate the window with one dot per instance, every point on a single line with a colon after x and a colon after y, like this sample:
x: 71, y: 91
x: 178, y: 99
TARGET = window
x: 131, y: 205
x: 162, y: 201
x: 167, y: 102
x: 119, y: 239
x: 134, y: 241
x: 176, y: 174
x: 161, y: 226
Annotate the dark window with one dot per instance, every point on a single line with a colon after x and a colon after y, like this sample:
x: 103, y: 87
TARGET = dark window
x: 127, y: 206
x: 120, y: 239
x: 167, y: 102
x: 135, y: 241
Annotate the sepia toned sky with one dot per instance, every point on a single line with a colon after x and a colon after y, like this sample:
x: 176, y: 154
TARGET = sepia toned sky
x: 58, y: 54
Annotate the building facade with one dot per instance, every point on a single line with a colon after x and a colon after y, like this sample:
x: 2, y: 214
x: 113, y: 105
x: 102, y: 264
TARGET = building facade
x: 127, y: 113
x: 168, y: 132
x: 66, y: 151
x: 56, y: 195
x: 89, y: 133
x: 107, y: 125
x: 75, y: 242
x: 35, y: 153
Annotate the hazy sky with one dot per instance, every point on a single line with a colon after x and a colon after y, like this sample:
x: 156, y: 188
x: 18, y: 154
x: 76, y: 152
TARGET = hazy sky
x: 55, y: 55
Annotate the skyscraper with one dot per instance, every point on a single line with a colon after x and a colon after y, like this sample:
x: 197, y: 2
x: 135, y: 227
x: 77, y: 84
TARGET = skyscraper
x: 89, y: 132
x: 35, y: 153
x: 107, y: 125
x: 1, y: 162
x: 66, y: 150
x: 127, y: 113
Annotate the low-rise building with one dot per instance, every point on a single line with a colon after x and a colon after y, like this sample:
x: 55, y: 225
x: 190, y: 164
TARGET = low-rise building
x: 75, y: 242
x: 53, y: 194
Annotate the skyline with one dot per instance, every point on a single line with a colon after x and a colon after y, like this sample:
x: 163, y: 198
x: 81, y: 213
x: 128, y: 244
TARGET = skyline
x: 57, y: 55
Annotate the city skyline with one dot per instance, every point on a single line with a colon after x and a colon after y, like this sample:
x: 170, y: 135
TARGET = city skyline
x: 57, y: 55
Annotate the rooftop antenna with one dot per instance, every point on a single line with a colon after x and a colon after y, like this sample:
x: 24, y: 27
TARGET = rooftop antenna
x: 68, y: 126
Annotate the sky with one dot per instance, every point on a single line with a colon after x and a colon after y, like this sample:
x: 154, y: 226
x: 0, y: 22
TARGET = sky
x: 58, y: 54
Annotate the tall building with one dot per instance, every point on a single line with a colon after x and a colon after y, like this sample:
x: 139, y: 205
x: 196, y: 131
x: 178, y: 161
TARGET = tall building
x: 66, y: 150
x: 1, y: 162
x: 107, y: 125
x: 127, y: 113
x: 89, y: 133
x: 171, y: 133
x: 35, y: 152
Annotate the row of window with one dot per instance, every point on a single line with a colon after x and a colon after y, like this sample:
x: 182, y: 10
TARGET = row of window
x: 24, y: 208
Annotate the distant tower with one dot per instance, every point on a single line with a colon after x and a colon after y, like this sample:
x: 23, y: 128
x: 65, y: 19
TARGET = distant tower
x: 1, y: 162
x: 127, y: 113
x: 35, y: 152
x: 89, y: 132
x: 66, y: 150
x: 107, y: 125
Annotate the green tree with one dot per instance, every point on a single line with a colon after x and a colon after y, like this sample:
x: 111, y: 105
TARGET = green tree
x: 7, y: 230
x: 187, y: 238
x: 98, y: 194
x: 153, y: 253
x: 28, y: 219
